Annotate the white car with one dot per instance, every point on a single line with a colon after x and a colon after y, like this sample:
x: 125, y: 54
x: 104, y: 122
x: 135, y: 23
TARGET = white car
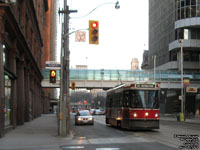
x: 92, y: 111
x: 84, y: 117
x: 99, y: 112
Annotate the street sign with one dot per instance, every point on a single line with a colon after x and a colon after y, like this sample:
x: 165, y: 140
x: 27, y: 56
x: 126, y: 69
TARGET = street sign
x: 186, y: 81
x: 52, y: 65
x: 191, y: 90
x: 80, y: 36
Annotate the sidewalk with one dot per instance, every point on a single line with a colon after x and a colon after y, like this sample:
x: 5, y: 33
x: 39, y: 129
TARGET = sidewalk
x: 172, y: 117
x: 40, y: 133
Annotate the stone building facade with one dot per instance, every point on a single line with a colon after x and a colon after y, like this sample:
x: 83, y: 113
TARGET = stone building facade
x: 22, y: 34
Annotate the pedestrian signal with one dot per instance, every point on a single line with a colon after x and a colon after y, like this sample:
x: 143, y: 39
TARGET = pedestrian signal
x: 52, y: 76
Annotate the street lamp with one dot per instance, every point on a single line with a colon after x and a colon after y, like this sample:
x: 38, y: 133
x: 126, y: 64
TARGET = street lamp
x: 154, y: 62
x: 182, y: 85
x: 117, y: 6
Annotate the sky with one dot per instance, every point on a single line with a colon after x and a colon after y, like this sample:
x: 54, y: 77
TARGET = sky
x: 123, y: 33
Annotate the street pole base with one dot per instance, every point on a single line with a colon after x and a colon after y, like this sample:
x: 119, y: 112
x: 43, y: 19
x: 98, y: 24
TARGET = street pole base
x: 182, y: 117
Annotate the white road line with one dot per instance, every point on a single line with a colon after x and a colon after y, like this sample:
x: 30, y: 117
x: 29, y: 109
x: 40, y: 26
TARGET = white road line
x: 107, y: 148
x: 73, y: 147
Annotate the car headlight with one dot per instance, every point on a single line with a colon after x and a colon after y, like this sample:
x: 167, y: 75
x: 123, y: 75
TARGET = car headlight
x: 89, y: 118
x: 79, y: 119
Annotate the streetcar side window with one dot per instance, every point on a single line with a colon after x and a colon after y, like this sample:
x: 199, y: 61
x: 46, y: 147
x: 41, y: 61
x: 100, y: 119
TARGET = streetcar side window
x: 111, y: 102
x: 126, y: 98
x: 121, y: 100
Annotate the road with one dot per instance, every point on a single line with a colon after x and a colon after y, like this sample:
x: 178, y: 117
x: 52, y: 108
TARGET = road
x: 104, y: 137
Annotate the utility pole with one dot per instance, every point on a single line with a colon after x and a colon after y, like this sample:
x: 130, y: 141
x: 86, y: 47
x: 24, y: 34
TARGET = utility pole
x: 64, y: 114
x: 154, y: 58
x: 182, y: 85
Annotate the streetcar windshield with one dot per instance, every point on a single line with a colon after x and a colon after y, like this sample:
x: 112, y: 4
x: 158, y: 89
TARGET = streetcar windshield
x: 144, y: 99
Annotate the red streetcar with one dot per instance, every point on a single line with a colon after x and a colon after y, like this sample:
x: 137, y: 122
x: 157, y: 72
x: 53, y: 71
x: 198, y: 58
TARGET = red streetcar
x: 134, y: 106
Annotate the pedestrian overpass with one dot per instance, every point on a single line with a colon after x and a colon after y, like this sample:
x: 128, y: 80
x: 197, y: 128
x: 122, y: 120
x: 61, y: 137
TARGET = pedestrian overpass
x: 105, y: 79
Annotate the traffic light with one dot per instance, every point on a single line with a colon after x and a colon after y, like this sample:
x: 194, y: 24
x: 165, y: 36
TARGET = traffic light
x: 73, y: 85
x: 93, y: 32
x: 52, y: 76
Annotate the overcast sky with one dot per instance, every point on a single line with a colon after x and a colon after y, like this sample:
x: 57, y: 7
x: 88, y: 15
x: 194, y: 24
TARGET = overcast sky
x: 123, y: 33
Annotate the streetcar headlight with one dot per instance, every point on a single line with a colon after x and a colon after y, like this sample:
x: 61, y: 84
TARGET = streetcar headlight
x: 146, y: 113
x: 118, y: 118
x: 156, y: 115
x: 135, y: 115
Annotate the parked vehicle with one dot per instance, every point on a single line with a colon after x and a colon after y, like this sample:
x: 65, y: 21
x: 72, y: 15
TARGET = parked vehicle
x: 99, y: 112
x: 92, y: 111
x: 84, y: 117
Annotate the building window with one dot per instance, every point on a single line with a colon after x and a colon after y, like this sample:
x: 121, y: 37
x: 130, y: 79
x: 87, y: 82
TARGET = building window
x: 187, y: 2
x: 5, y: 57
x: 7, y: 108
x: 186, y: 56
x: 187, y: 9
x: 173, y: 56
x: 31, y: 40
x: 193, y: 2
x: 195, y: 57
x: 193, y: 11
x: 26, y: 26
x: 186, y: 35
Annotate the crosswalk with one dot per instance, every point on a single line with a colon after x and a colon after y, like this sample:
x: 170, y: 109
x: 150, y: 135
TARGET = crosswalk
x: 83, y: 147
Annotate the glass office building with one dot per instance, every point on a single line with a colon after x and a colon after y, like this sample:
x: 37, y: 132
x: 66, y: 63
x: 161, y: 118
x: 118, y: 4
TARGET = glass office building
x: 170, y: 21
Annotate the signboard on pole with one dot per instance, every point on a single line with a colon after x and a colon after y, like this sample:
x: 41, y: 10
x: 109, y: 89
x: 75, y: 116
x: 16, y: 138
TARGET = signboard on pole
x: 52, y: 65
x: 80, y: 36
x: 186, y: 82
x: 191, y: 89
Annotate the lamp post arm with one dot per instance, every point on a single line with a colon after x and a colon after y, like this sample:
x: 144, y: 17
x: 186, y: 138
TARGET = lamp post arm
x: 116, y: 6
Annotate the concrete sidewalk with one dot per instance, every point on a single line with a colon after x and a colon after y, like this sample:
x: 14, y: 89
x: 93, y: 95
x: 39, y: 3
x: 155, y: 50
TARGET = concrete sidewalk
x: 40, y: 133
x: 172, y: 117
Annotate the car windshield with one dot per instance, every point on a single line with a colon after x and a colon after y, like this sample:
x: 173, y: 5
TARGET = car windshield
x: 143, y: 99
x: 84, y: 113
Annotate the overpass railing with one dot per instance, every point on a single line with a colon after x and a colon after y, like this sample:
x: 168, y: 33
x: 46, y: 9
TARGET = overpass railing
x: 125, y: 75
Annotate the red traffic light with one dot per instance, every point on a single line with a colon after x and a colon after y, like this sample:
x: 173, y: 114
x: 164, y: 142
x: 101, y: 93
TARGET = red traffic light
x: 94, y: 25
x: 53, y: 73
x: 93, y: 32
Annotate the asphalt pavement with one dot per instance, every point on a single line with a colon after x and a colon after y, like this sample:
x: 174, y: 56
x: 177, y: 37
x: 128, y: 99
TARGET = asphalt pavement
x: 41, y: 133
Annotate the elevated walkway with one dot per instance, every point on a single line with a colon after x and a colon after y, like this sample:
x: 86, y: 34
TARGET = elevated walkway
x: 109, y: 78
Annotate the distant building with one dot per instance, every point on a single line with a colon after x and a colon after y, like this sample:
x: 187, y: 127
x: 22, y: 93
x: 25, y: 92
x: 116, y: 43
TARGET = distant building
x: 134, y: 64
x: 81, y: 67
x: 145, y: 64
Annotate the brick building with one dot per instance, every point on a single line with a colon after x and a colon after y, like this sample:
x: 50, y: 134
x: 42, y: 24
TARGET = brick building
x: 22, y: 43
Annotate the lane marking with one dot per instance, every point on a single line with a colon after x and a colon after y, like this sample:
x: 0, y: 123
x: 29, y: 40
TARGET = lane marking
x: 73, y: 147
x: 107, y: 148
